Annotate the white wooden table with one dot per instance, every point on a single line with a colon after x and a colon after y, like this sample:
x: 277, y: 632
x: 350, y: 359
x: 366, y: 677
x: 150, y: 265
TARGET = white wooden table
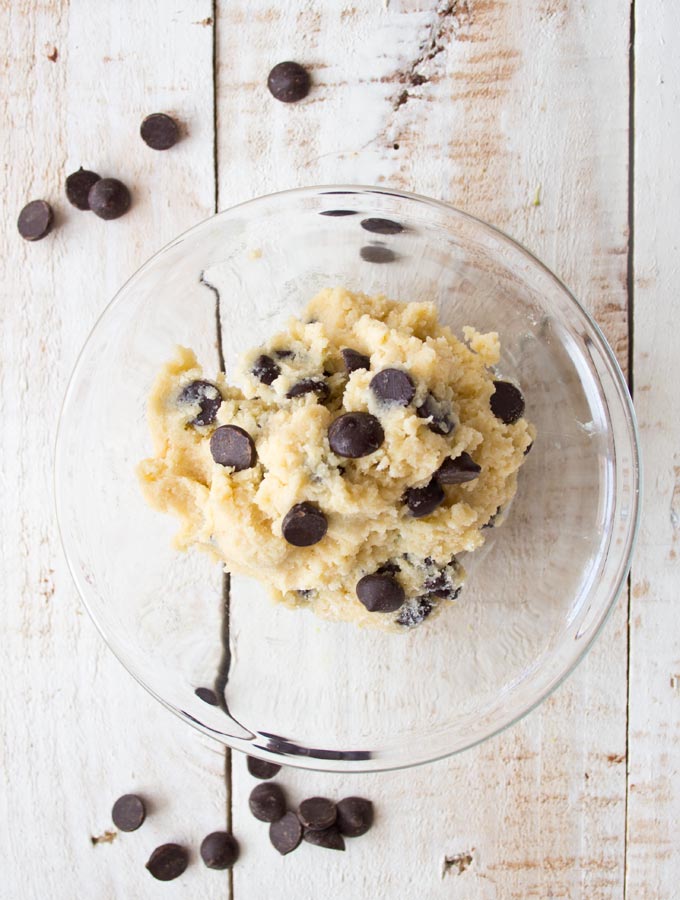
x: 537, y: 116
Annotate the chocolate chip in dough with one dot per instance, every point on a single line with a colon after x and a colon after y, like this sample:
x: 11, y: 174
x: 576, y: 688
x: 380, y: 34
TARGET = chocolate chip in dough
x: 283, y: 354
x: 289, y: 82
x: 233, y: 446
x: 78, y: 186
x: 167, y: 862
x: 412, y: 614
x: 442, y: 587
x: 317, y: 813
x: 381, y: 226
x: 159, y: 131
x: 207, y: 396
x: 440, y: 413
x: 304, y: 524
x: 330, y: 838
x: 267, y: 802
x: 393, y: 386
x: 376, y: 253
x: 424, y: 500
x: 35, y: 220
x: 219, y: 850
x: 380, y: 593
x: 207, y: 695
x: 355, y: 434
x: 354, y: 360
x: 265, y: 369
x: 262, y: 768
x: 458, y: 471
x: 286, y: 834
x: 507, y: 402
x: 355, y: 816
x: 309, y: 386
x: 339, y: 213
x: 108, y: 198
x: 128, y: 812
x: 528, y: 449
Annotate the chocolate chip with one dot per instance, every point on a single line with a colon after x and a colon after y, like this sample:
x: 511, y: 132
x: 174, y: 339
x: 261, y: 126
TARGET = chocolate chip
x: 35, y: 220
x: 267, y: 802
x: 208, y: 398
x: 288, y: 82
x: 507, y: 402
x: 286, y: 834
x: 380, y: 593
x: 354, y: 360
x: 389, y: 568
x: 381, y: 226
x: 338, y: 212
x: 283, y: 354
x: 309, y: 386
x: 413, y: 614
x: 330, y: 838
x: 528, y: 450
x: 393, y: 386
x: 159, y: 131
x: 458, y: 471
x: 355, y: 434
x: 261, y: 768
x: 304, y: 524
x: 424, y: 500
x: 168, y: 862
x: 78, y: 187
x: 128, y: 812
x: 441, y: 586
x: 355, y: 816
x: 492, y: 521
x: 317, y: 813
x: 376, y: 253
x: 233, y: 446
x: 108, y: 198
x: 207, y: 695
x: 265, y: 369
x: 219, y: 850
x: 440, y: 413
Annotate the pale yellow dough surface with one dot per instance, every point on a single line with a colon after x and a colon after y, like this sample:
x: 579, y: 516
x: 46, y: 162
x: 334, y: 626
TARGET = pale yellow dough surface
x: 238, y: 515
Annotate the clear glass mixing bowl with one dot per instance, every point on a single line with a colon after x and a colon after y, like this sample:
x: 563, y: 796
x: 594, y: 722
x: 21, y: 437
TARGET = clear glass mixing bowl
x: 302, y: 690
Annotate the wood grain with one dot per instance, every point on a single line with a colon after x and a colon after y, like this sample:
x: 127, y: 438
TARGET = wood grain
x: 76, y: 730
x: 653, y: 856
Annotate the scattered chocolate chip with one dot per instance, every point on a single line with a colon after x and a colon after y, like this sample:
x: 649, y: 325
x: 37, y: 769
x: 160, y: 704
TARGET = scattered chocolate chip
x: 286, y: 834
x: 330, y: 838
x: 283, y: 354
x: 35, y: 220
x: 380, y: 593
x: 309, y: 386
x: 424, y: 500
x: 389, y: 568
x: 393, y: 386
x: 338, y: 212
x: 528, y: 450
x: 458, y: 471
x: 168, y: 862
x: 267, y: 802
x: 159, y: 131
x: 317, y: 813
x: 382, y: 226
x: 261, y: 768
x: 355, y: 434
x: 375, y: 253
x: 233, y: 446
x: 355, y: 816
x: 219, y: 850
x: 354, y: 360
x: 208, y: 398
x: 289, y: 82
x: 507, y: 402
x: 265, y: 369
x: 78, y: 186
x: 440, y: 413
x: 413, y: 614
x: 304, y: 524
x: 128, y: 812
x: 207, y: 695
x: 108, y: 198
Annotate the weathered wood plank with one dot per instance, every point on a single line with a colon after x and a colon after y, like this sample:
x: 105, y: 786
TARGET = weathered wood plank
x: 491, y: 106
x: 76, y: 730
x: 654, y: 730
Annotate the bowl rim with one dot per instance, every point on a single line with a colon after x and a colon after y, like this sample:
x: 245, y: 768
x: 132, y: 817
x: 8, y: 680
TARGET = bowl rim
x: 305, y: 759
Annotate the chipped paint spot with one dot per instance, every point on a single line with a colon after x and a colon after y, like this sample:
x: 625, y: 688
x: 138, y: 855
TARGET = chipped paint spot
x: 616, y: 758
x: 107, y: 838
x: 205, y: 22
x: 460, y: 862
x: 52, y: 52
x: 675, y: 682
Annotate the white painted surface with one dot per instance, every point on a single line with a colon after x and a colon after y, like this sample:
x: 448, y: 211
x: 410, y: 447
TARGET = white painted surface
x: 521, y: 97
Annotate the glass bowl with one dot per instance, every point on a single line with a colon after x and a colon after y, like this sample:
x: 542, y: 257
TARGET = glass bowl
x: 301, y: 690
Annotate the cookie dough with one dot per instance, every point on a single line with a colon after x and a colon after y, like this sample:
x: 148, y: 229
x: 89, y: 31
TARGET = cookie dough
x: 360, y: 453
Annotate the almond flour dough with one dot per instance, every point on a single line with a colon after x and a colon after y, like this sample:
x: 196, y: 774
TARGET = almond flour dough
x: 383, y: 514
